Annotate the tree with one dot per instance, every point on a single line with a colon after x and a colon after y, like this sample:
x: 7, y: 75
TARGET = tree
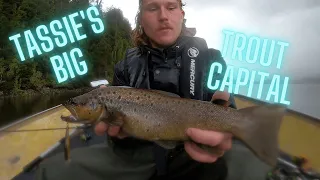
x: 101, y: 52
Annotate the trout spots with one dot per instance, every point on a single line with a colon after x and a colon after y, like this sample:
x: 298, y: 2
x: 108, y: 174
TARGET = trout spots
x: 114, y: 92
x: 148, y: 130
x: 159, y: 98
x: 135, y: 110
x: 159, y: 124
x: 119, y: 97
x: 151, y: 104
x: 130, y: 93
x: 138, y: 98
x: 149, y: 96
x: 100, y: 94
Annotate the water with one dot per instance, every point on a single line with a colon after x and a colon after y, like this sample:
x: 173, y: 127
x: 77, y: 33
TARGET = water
x: 304, y: 98
x: 12, y: 109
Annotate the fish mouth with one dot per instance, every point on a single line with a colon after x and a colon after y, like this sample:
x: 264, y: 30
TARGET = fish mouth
x: 72, y: 110
x: 72, y: 119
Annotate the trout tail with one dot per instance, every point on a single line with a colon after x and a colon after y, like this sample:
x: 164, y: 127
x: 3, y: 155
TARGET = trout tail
x: 258, y: 128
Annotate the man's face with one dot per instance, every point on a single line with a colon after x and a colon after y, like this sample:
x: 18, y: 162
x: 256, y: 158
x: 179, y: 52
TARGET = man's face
x: 162, y: 21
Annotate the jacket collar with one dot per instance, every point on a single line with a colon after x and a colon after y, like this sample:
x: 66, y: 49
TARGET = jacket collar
x: 169, y: 52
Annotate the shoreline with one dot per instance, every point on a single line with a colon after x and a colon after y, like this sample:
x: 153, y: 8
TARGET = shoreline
x: 45, y: 91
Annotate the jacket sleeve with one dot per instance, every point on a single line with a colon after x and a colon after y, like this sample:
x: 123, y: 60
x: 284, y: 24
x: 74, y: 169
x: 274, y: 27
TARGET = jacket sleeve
x: 119, y: 78
x: 215, y: 56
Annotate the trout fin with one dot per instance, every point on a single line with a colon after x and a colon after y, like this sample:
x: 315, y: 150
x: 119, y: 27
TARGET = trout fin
x: 258, y: 128
x: 167, y: 144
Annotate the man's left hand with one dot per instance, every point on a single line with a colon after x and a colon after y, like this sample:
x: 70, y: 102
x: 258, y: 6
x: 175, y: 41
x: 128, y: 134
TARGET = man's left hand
x: 221, y: 142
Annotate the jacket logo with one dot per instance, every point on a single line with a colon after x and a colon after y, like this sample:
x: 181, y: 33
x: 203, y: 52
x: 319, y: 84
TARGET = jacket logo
x: 192, y: 75
x: 193, y: 52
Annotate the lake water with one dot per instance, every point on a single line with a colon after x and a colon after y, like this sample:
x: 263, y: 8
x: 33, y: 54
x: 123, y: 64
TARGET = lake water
x: 304, y: 98
x: 12, y: 109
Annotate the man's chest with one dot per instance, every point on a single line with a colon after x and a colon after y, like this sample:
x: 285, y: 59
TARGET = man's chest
x: 165, y: 74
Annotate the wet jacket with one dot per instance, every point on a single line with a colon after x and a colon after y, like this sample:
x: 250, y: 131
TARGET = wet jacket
x: 181, y: 69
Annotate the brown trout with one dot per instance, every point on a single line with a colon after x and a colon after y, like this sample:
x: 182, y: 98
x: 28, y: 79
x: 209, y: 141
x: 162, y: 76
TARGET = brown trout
x: 163, y: 118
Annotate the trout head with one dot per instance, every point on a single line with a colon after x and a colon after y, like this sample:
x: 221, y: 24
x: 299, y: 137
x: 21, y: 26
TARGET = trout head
x: 84, y: 109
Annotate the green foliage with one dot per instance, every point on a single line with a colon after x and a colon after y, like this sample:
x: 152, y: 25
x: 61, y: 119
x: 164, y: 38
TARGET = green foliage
x: 101, y: 52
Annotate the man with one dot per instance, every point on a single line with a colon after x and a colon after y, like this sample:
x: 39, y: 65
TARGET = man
x: 167, y: 60
x: 160, y: 25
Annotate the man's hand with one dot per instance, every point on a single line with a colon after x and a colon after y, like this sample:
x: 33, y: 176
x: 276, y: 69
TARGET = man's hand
x: 220, y: 141
x: 101, y: 128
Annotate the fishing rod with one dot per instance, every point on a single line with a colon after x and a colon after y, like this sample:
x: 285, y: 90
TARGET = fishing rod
x: 44, y: 129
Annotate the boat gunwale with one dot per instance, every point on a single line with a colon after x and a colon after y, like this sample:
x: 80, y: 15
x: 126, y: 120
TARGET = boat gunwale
x: 19, y: 121
x: 308, y: 117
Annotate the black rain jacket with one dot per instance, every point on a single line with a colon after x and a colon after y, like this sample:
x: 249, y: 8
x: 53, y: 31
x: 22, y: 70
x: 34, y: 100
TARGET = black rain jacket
x: 181, y: 69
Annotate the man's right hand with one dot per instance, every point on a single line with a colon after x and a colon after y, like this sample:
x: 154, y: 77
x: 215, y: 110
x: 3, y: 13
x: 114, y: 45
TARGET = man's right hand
x: 115, y: 131
x: 101, y: 128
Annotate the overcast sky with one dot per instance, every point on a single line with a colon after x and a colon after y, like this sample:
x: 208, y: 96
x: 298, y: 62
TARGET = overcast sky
x: 293, y: 21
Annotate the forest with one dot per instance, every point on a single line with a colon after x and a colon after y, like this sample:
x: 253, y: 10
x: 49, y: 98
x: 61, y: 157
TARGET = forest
x: 36, y: 75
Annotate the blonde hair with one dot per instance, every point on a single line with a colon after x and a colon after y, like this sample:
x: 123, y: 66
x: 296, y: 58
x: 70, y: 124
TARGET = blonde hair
x: 138, y: 35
